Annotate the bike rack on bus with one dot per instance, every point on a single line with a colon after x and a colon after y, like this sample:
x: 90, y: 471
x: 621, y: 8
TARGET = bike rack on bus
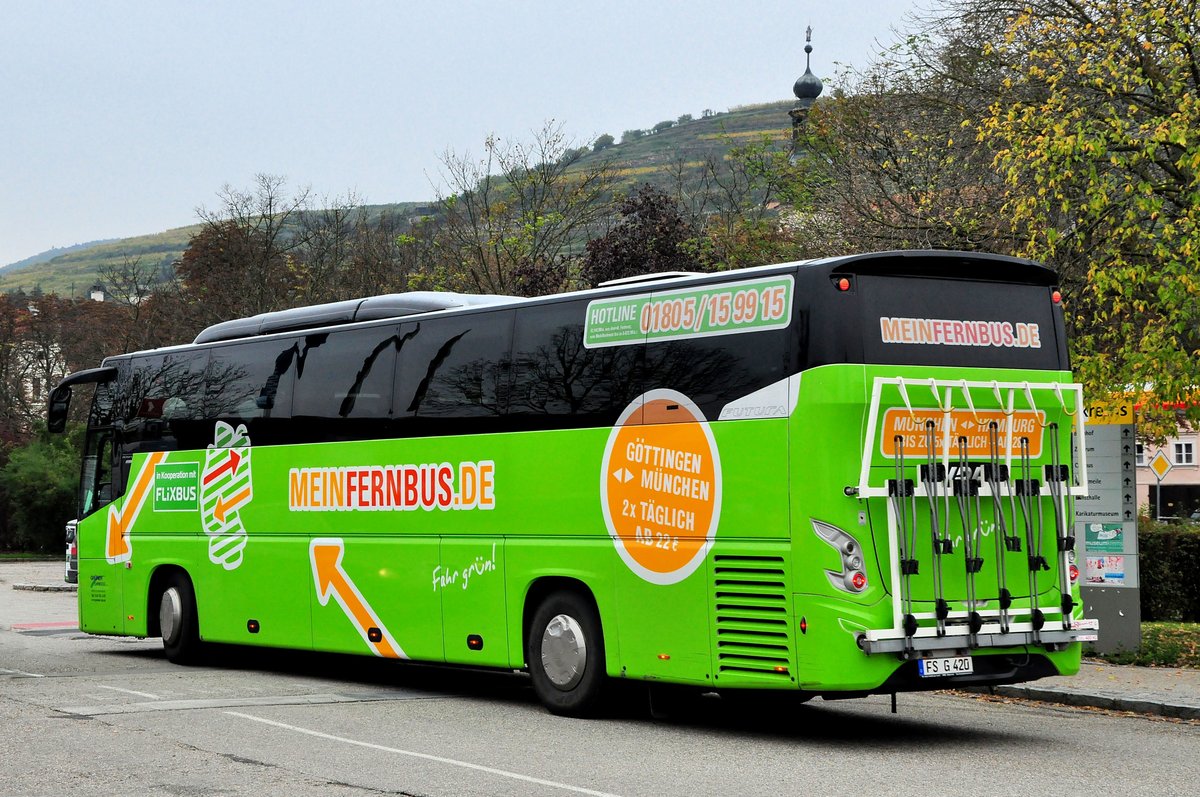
x: 956, y: 482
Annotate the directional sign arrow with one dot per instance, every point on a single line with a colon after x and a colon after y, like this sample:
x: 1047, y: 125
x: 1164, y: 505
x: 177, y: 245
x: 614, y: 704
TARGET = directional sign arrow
x: 1128, y: 514
x: 330, y: 579
x: 116, y: 542
x: 1128, y: 481
x: 230, y: 465
x: 224, y: 507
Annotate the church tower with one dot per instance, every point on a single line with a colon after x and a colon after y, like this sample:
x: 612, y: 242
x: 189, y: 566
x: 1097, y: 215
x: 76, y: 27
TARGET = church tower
x: 807, y: 88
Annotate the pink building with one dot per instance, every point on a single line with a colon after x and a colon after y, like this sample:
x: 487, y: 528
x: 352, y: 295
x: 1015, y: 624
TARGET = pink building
x: 1181, y: 487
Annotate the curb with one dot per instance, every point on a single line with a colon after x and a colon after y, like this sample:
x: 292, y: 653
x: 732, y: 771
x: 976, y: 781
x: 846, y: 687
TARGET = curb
x: 1141, y: 705
x: 46, y: 587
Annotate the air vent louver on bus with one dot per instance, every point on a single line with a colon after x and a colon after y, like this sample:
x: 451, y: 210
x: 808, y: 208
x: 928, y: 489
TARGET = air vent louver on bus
x: 754, y: 631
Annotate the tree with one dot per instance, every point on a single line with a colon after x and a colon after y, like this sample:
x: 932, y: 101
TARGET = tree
x: 754, y: 206
x: 649, y: 238
x: 390, y: 254
x: 38, y: 484
x: 325, y: 249
x: 510, y: 221
x: 664, y: 125
x: 684, y: 119
x: 603, y: 142
x: 632, y: 135
x: 241, y: 262
x: 902, y: 167
x: 229, y: 271
x: 145, y: 320
x: 1094, y: 130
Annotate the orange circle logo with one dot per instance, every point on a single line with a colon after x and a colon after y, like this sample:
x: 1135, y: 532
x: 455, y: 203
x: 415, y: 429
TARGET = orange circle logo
x: 660, y: 486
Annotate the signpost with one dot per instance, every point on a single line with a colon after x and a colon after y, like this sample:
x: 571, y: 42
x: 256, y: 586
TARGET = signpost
x: 1106, y: 527
x: 1161, y: 466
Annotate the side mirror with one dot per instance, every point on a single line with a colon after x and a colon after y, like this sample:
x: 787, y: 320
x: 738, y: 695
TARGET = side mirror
x: 56, y: 414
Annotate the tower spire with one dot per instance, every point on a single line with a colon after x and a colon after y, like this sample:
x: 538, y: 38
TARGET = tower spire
x: 806, y: 88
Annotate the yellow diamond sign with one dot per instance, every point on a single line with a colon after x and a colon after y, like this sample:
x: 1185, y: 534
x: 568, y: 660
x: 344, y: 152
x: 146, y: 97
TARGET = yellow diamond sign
x: 1160, y: 465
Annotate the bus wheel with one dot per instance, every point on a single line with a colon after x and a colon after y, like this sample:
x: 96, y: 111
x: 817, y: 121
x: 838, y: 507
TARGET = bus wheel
x: 566, y: 655
x: 178, y: 621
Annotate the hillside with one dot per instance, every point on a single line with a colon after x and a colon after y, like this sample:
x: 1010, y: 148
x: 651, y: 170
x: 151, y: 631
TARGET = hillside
x: 650, y: 158
x: 50, y: 254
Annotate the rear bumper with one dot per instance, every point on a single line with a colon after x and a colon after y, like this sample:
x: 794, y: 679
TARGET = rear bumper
x: 991, y: 670
x: 1052, y: 640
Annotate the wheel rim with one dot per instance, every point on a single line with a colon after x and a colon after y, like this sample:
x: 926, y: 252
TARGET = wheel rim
x: 564, y: 651
x: 170, y: 615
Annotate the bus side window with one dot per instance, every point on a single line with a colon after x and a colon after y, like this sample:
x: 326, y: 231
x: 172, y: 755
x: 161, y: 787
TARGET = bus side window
x: 557, y: 382
x: 713, y: 371
x: 251, y: 382
x: 454, y: 374
x: 160, y: 407
x: 344, y: 384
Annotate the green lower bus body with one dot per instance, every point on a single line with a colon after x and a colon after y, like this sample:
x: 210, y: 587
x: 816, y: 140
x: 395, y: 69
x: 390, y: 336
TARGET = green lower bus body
x: 759, y: 610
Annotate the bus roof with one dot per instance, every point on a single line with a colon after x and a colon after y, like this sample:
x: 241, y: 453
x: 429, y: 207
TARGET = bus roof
x: 916, y: 263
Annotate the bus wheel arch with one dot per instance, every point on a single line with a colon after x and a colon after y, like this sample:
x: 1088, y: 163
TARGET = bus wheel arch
x: 172, y: 614
x: 564, y: 646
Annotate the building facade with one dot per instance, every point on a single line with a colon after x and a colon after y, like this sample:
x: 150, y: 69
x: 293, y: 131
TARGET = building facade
x: 1179, y: 496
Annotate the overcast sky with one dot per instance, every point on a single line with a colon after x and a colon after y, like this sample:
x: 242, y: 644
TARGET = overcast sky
x: 121, y: 118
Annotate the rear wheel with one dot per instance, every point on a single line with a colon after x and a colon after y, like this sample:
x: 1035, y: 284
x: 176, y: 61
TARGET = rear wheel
x: 178, y: 622
x: 566, y: 655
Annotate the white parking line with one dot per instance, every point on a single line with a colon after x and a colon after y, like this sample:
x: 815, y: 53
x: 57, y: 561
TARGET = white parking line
x: 426, y: 756
x: 130, y: 692
x: 21, y: 673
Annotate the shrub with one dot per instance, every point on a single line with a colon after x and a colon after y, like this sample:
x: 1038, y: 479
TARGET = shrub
x: 1169, y: 559
x: 39, y: 489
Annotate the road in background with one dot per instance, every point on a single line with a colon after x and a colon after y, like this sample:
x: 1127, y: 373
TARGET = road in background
x: 90, y: 715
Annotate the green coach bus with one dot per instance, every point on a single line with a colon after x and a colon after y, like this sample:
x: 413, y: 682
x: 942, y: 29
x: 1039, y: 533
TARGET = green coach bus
x: 835, y: 477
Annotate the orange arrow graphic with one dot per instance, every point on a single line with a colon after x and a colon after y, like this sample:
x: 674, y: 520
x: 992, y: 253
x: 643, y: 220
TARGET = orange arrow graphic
x: 230, y: 465
x: 116, y: 543
x: 331, y: 579
x: 223, y: 506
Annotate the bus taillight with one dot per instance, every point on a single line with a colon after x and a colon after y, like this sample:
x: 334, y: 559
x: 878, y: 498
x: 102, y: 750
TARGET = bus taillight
x: 851, y: 577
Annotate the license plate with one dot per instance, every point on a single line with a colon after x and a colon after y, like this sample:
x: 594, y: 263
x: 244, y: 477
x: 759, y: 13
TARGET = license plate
x: 950, y: 665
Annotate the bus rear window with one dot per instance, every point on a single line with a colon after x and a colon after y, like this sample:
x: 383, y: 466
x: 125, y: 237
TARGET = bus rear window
x: 920, y: 321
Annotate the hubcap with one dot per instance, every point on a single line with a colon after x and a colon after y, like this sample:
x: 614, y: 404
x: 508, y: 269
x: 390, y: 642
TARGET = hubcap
x: 564, y: 652
x: 170, y: 615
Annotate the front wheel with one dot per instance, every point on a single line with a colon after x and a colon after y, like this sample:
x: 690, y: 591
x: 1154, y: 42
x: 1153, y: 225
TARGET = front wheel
x: 178, y: 621
x: 566, y: 655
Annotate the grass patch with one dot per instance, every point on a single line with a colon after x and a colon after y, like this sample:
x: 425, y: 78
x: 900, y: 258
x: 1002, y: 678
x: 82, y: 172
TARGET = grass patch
x: 22, y: 556
x: 1163, y: 645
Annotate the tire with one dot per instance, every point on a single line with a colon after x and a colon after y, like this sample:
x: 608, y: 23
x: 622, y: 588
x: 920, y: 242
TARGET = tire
x: 178, y: 621
x: 566, y: 655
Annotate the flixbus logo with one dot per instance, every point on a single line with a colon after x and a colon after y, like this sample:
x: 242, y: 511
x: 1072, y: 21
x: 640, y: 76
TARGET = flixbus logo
x: 177, y: 487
